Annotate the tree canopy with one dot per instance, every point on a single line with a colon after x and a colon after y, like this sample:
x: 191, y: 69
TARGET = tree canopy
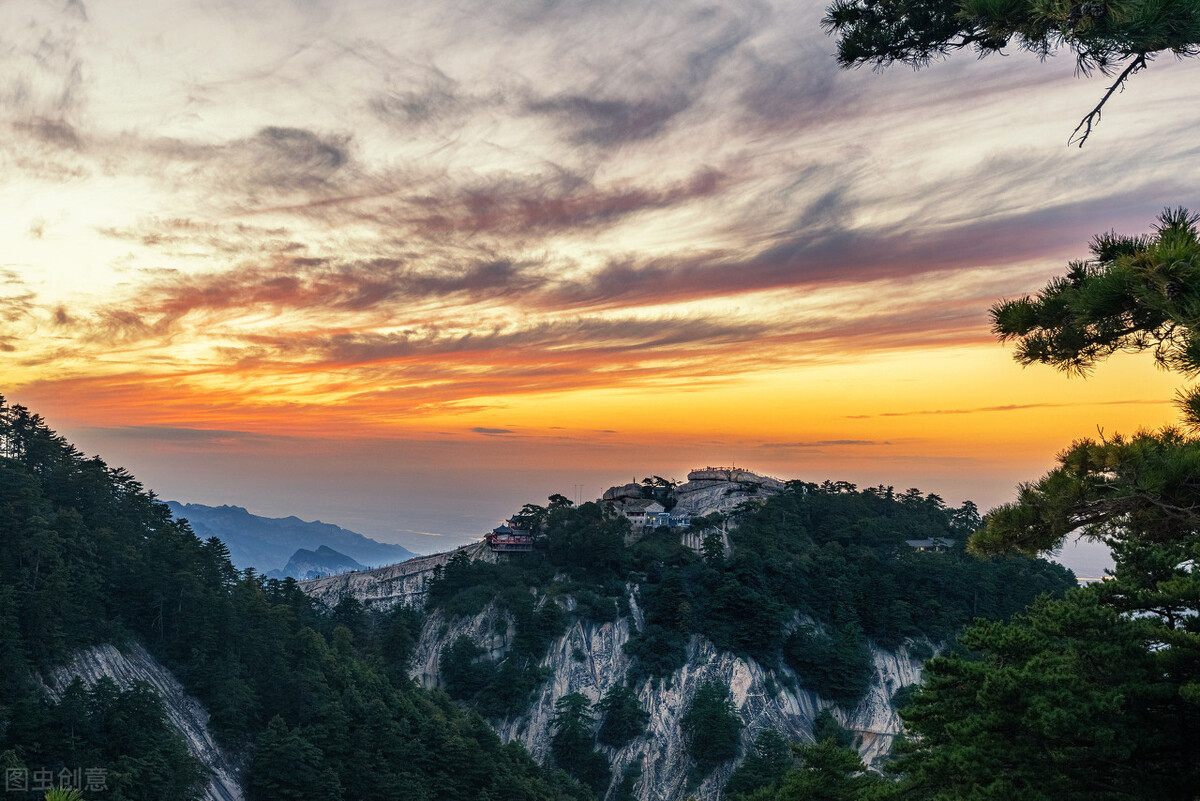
x: 1110, y: 36
x: 711, y: 727
x: 1095, y: 695
x: 1070, y: 700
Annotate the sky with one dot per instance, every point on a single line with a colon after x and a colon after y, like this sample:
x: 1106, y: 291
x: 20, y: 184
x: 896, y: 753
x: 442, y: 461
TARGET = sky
x: 406, y: 266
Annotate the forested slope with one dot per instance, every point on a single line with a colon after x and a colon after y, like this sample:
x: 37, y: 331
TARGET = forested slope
x: 318, y: 705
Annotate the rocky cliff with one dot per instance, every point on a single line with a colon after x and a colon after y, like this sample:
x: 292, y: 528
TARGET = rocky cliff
x: 385, y: 587
x: 589, y: 658
x: 184, y: 712
x: 712, y: 489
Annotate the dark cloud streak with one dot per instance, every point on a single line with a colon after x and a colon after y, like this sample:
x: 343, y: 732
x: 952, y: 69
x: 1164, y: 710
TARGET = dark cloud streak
x: 1009, y: 407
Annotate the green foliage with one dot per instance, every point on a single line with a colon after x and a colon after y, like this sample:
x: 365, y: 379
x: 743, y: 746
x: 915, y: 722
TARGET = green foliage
x: 711, y: 727
x: 1070, y: 700
x: 586, y: 545
x: 319, y: 701
x: 829, y: 772
x: 624, y: 719
x: 763, y: 767
x: 839, y: 555
x: 713, y: 550
x: 505, y: 687
x: 595, y: 608
x: 462, y: 672
x: 1105, y: 676
x: 1094, y: 695
x: 826, y: 727
x: 629, y: 779
x: 832, y: 552
x: 1117, y: 490
x: 124, y: 731
x: 398, y: 633
x: 287, y: 767
x: 572, y: 744
x: 837, y: 665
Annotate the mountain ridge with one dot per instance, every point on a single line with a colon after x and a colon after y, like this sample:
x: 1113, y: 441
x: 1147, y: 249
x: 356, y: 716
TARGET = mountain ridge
x: 268, y: 543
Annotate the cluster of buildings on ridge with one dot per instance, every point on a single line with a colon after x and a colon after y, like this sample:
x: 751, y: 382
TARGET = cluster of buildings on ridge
x: 647, y: 514
x: 643, y: 515
x: 650, y: 514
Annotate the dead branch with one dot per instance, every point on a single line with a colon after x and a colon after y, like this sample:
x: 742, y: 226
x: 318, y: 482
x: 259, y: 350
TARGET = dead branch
x: 1093, y: 117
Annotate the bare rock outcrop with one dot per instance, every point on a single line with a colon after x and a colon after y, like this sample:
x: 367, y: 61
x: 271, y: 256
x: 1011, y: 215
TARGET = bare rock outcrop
x: 184, y: 712
x: 633, y: 490
x: 720, y: 489
x: 384, y: 587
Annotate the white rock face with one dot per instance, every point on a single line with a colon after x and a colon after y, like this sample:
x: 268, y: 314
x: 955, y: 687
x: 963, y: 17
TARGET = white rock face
x: 184, y: 712
x: 719, y: 490
x: 589, y: 658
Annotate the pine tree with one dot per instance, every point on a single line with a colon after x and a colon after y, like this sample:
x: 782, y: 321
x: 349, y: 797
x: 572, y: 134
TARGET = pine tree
x: 1136, y: 293
x: 624, y: 718
x: 711, y: 727
x: 286, y: 767
x: 763, y: 767
x: 1097, y: 695
x: 572, y: 743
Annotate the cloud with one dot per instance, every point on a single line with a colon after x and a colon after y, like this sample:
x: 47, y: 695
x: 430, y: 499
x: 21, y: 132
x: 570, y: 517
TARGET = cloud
x: 421, y: 95
x: 645, y: 84
x: 611, y: 122
x: 182, y: 435
x: 823, y: 443
x: 833, y: 254
x: 1010, y: 407
x: 482, y: 430
x: 513, y: 208
x: 55, y: 132
x: 290, y: 282
x: 549, y: 348
x: 287, y: 158
x: 368, y: 222
x: 17, y: 306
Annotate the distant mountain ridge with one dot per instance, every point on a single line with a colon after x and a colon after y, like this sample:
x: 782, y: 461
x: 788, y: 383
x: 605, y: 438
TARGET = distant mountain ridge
x: 324, y: 561
x: 268, y: 543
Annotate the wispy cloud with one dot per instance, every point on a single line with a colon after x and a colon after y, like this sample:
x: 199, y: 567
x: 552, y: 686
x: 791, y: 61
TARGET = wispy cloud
x: 1011, y: 407
x: 822, y: 443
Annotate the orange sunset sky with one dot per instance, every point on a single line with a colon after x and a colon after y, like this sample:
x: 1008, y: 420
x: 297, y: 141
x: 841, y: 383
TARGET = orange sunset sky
x: 405, y: 266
